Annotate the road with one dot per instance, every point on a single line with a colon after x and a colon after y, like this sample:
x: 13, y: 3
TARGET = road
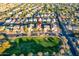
x: 63, y: 29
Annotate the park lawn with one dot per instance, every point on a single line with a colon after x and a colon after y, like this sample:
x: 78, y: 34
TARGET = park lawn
x: 26, y: 45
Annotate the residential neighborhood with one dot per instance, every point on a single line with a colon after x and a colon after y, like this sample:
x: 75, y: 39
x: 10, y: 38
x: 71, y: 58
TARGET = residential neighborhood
x: 40, y: 29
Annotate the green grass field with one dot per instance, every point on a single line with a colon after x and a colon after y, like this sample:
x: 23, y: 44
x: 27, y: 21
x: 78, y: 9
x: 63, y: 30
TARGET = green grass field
x: 26, y: 45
